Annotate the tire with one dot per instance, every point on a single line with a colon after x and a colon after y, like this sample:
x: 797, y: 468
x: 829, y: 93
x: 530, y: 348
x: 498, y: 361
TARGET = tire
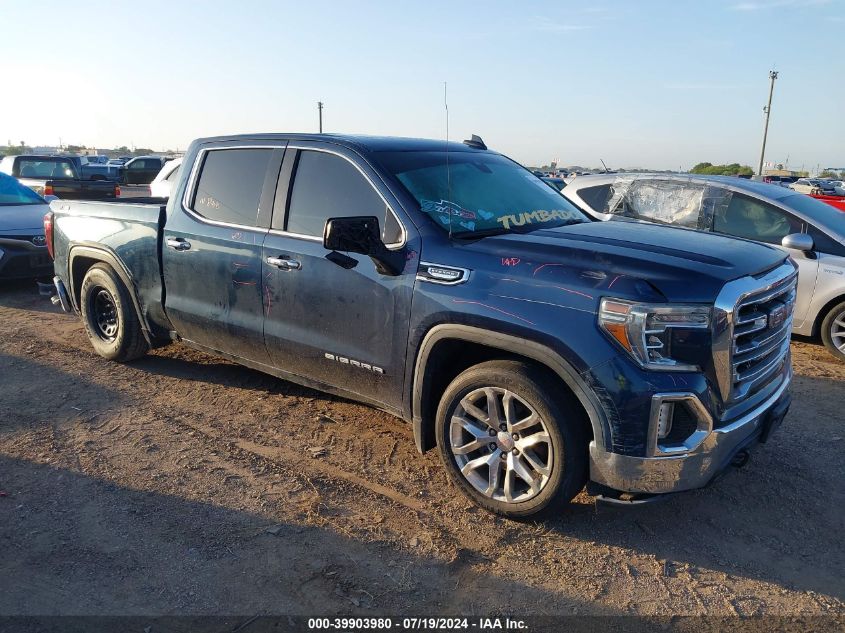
x: 109, y: 316
x: 833, y: 331
x: 552, y: 450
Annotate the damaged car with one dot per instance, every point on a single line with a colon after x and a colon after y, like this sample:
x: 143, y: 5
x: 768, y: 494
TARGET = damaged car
x: 812, y: 232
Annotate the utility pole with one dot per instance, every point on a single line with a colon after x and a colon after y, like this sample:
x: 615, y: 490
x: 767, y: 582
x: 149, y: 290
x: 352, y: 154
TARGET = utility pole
x: 768, y: 110
x: 320, y: 109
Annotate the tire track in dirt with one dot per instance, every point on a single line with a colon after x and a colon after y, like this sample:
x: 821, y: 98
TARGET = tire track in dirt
x: 186, y: 425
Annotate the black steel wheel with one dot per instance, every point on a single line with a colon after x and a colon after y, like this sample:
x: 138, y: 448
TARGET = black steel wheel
x: 109, y: 315
x: 104, y: 311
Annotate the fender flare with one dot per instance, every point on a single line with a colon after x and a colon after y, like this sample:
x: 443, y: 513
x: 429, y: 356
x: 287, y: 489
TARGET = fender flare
x: 106, y: 256
x: 512, y: 344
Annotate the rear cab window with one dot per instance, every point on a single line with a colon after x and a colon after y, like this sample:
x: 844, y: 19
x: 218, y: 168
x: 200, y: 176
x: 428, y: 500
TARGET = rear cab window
x: 45, y: 168
x: 228, y: 187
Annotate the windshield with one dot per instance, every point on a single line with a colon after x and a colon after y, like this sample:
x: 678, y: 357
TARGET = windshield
x: 12, y: 193
x: 482, y: 193
x: 820, y: 213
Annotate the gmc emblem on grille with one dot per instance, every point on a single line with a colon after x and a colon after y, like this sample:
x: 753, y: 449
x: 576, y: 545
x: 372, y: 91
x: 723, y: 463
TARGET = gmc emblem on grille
x: 777, y: 316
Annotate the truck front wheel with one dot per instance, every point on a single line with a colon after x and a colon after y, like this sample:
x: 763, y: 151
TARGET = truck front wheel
x: 110, y: 319
x: 512, y: 439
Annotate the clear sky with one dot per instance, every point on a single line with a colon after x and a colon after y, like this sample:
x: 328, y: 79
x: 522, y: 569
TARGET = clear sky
x: 651, y: 83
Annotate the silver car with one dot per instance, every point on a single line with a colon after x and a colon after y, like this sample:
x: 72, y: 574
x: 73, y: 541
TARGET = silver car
x: 812, y: 232
x: 23, y: 247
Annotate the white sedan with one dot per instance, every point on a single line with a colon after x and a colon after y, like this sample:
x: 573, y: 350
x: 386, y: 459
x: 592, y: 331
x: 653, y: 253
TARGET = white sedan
x: 169, y: 174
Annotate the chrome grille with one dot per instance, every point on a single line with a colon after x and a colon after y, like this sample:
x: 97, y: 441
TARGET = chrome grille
x: 762, y: 323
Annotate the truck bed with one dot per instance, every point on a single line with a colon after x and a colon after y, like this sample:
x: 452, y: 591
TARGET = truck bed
x: 72, y: 189
x: 129, y: 231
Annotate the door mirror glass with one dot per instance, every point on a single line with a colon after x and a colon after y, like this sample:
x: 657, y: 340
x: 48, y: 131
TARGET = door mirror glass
x: 359, y: 234
x: 798, y: 242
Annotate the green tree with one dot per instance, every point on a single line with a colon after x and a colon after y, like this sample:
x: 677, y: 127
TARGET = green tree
x: 829, y: 173
x: 733, y: 169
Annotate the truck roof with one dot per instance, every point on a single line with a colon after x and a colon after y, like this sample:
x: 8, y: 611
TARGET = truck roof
x: 360, y: 142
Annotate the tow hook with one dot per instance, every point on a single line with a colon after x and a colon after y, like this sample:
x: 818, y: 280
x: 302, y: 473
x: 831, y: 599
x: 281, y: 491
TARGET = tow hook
x: 740, y: 459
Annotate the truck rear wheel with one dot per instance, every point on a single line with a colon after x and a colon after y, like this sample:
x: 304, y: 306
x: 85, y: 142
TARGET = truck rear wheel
x: 110, y: 319
x: 512, y: 439
x: 833, y: 331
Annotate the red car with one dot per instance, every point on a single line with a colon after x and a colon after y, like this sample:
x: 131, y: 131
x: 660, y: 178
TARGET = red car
x: 834, y: 201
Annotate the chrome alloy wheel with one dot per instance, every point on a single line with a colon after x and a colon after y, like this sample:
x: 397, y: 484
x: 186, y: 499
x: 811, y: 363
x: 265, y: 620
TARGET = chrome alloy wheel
x: 501, y: 445
x: 837, y: 332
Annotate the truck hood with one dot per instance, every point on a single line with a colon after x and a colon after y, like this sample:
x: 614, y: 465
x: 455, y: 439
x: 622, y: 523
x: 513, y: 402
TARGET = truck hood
x: 683, y: 264
x: 26, y: 218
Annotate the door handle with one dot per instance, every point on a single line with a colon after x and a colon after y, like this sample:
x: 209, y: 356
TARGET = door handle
x: 178, y: 243
x: 284, y: 263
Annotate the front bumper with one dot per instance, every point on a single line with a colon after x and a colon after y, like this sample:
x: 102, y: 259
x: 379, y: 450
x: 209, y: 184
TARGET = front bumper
x: 696, y: 468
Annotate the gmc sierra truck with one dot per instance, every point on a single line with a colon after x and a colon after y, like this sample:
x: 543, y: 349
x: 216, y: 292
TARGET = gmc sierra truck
x: 535, y: 350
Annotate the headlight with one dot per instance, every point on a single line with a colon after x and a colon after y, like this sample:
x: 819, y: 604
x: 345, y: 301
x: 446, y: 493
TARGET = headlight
x: 648, y: 332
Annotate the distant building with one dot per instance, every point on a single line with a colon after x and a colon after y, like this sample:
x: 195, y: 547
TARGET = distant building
x: 782, y: 172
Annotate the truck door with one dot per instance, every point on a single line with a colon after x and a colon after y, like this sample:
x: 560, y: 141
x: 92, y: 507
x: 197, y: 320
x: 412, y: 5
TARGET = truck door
x: 334, y: 320
x: 212, y: 250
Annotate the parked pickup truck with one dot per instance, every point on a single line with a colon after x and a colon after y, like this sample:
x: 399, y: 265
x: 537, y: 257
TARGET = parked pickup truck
x: 100, y: 170
x: 56, y: 176
x: 535, y: 350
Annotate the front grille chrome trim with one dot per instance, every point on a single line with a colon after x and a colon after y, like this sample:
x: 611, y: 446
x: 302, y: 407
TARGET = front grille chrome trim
x: 743, y: 366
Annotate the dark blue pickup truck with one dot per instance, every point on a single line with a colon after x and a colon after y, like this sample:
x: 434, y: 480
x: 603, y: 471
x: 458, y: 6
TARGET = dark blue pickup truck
x: 536, y: 350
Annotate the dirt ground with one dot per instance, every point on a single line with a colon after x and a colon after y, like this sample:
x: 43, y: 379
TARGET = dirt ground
x: 181, y: 483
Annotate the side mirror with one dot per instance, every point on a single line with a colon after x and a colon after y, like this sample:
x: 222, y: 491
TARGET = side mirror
x: 798, y: 242
x: 353, y: 235
x: 361, y: 235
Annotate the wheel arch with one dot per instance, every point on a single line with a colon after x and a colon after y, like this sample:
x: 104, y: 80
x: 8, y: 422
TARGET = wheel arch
x: 80, y: 261
x: 823, y: 312
x: 462, y: 346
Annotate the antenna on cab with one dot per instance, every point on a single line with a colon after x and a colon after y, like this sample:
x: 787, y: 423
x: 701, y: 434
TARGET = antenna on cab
x: 448, y: 172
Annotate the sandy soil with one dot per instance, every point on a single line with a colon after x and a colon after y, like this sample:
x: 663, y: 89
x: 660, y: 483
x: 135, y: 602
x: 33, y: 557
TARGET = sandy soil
x: 182, y: 483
